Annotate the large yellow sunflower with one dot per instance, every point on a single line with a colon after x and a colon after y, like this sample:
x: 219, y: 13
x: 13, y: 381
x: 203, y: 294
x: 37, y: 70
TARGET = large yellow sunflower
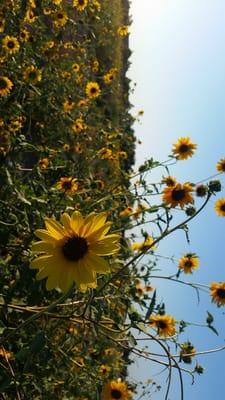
x: 80, y: 5
x: 165, y: 324
x: 72, y: 251
x: 115, y: 390
x: 5, y: 85
x: 179, y: 194
x: 188, y: 263
x: 217, y: 292
x: 10, y: 44
x: 220, y: 207
x: 92, y: 89
x: 184, y: 148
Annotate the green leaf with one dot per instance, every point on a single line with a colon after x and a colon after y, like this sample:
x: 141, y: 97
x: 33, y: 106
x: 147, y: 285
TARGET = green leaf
x: 151, y: 306
x: 209, y: 318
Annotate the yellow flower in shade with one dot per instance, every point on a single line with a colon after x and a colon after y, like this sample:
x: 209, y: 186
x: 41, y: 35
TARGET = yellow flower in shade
x: 76, y: 67
x: 220, y: 166
x: 24, y: 35
x: 78, y: 148
x: 68, y: 185
x: 217, y: 292
x: 123, y: 30
x: 74, y: 250
x: 79, y: 125
x: 104, y: 369
x: 140, y: 290
x: 66, y: 147
x: 220, y: 207
x: 188, y: 263
x: 108, y: 78
x: 5, y: 85
x: 105, y: 154
x: 95, y: 66
x: 92, y: 89
x: 82, y: 103
x: 68, y: 105
x: 184, y: 148
x: 169, y: 180
x: 60, y: 18
x: 43, y: 163
x: 179, y: 194
x: 80, y: 5
x: 115, y: 390
x: 122, y: 154
x: 165, y: 324
x: 6, y: 354
x: 2, y: 25
x: 10, y: 44
x: 145, y: 245
x: 32, y: 74
x: 30, y: 16
x: 187, y: 352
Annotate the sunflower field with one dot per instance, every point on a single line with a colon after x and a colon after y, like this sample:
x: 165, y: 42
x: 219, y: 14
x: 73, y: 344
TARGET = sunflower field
x: 75, y: 284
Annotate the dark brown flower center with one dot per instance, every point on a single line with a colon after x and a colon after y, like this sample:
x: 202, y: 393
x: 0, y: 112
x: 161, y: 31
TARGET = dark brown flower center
x: 222, y: 207
x: 93, y: 90
x: 116, y: 394
x: 221, y: 293
x: 60, y: 16
x: 10, y: 44
x: 75, y: 248
x: 184, y: 148
x: 178, y: 194
x: 161, y: 324
x: 81, y: 2
x: 67, y: 185
x: 188, y: 264
x: 3, y: 83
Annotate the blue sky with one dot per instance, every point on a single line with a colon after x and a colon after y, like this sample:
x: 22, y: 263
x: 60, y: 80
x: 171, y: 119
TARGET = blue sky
x: 178, y: 65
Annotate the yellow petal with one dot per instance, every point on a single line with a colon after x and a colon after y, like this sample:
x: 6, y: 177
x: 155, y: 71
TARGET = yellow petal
x: 43, y: 247
x: 97, y: 263
x: 45, y: 235
x: 42, y: 261
x: 94, y: 235
x: 66, y: 221
x: 54, y: 228
x: 105, y: 247
x: 93, y: 222
x: 76, y: 221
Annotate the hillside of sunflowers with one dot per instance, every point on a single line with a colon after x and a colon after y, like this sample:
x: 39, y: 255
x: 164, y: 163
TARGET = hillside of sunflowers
x: 76, y: 289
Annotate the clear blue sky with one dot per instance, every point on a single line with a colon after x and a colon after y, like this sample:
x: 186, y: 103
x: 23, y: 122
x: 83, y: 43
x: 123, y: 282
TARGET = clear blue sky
x: 178, y: 65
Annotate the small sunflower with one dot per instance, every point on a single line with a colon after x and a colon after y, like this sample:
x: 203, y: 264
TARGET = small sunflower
x: 179, y: 194
x: 201, y: 190
x: 10, y: 44
x: 220, y: 166
x: 5, y: 85
x: 220, y: 207
x: 184, y: 148
x: 187, y: 352
x: 188, y: 263
x: 68, y: 185
x: 165, y: 324
x: 76, y: 67
x: 92, y: 89
x: 60, y: 18
x: 43, y: 163
x: 123, y: 30
x: 114, y: 390
x: 145, y: 245
x: 108, y: 78
x: 32, y: 74
x: 68, y: 105
x: 105, y: 154
x: 73, y: 251
x: 79, y: 125
x: 217, y: 292
x: 80, y: 5
x: 169, y: 180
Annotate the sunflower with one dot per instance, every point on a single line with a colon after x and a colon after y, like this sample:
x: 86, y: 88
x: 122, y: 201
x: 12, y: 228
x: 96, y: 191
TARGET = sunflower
x: 60, y: 18
x: 76, y: 67
x: 10, y: 44
x: 115, y: 390
x: 188, y: 263
x: 73, y: 250
x: 179, y: 194
x: 184, y: 148
x: 43, y: 163
x: 79, y: 125
x: 220, y: 166
x: 92, y: 89
x: 80, y: 5
x: 68, y: 105
x: 108, y: 78
x: 68, y: 185
x: 220, y: 207
x: 217, y: 292
x: 187, y: 352
x: 169, y: 180
x: 32, y: 74
x: 201, y: 190
x: 123, y: 30
x: 165, y: 324
x: 5, y: 85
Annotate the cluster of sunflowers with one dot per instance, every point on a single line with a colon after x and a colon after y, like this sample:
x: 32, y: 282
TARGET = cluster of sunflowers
x: 73, y: 302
